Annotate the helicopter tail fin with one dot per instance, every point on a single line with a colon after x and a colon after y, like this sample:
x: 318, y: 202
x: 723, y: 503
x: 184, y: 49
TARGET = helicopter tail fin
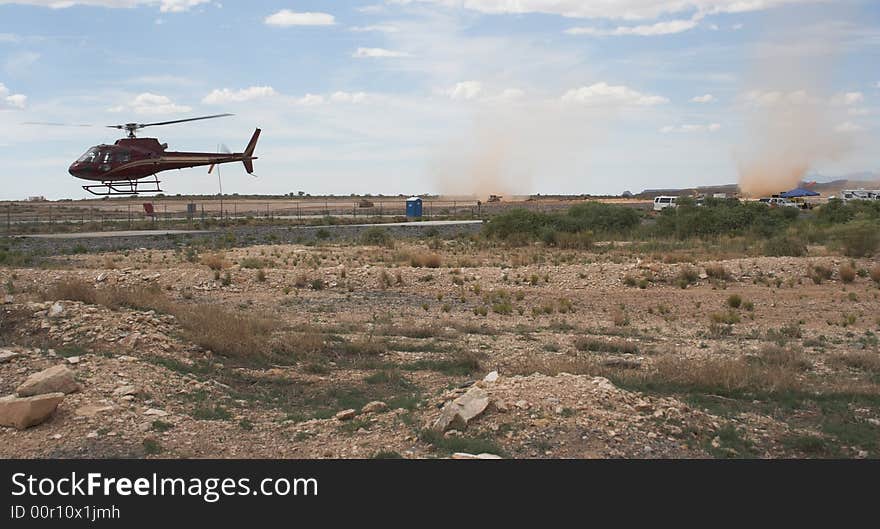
x: 249, y: 157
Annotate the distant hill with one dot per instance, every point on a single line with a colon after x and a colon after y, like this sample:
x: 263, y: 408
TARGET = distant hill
x: 823, y: 185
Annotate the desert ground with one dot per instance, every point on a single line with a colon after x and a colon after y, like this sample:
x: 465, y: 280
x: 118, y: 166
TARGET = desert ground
x: 424, y: 348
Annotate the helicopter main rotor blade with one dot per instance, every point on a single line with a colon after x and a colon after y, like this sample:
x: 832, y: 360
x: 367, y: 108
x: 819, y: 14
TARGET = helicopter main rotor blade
x: 142, y: 125
x: 53, y: 124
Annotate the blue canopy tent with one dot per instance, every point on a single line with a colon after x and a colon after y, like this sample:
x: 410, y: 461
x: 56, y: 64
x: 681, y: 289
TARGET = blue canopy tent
x: 799, y: 192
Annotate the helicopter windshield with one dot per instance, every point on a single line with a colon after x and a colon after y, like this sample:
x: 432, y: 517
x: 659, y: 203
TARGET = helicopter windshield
x: 89, y: 156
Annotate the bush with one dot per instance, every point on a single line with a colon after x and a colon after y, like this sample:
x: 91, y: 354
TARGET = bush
x: 377, y: 236
x: 875, y: 274
x: 819, y: 273
x: 717, y: 272
x: 847, y: 273
x: 573, y: 229
x: 215, y: 261
x: 858, y: 239
x: 785, y: 246
x: 430, y: 260
x: 687, y: 276
x: 734, y: 301
x: 722, y: 217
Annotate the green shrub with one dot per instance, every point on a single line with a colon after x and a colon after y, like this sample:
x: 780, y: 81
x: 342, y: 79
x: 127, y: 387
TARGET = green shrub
x: 858, y: 239
x: 377, y: 236
x: 785, y: 246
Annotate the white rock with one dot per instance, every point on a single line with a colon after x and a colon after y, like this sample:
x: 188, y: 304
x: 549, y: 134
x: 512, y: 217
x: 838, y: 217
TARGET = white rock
x: 28, y: 411
x: 124, y: 391
x: 91, y: 410
x: 456, y: 414
x: 73, y: 360
x: 491, y: 377
x: 156, y: 412
x: 375, y: 406
x: 6, y: 356
x: 56, y: 310
x: 345, y: 415
x: 57, y: 379
x: 465, y: 455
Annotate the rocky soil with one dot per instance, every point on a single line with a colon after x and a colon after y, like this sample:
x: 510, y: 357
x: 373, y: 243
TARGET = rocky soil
x: 529, y: 353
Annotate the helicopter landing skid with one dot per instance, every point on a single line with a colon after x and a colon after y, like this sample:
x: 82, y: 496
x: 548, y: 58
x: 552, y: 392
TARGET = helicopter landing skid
x: 126, y: 187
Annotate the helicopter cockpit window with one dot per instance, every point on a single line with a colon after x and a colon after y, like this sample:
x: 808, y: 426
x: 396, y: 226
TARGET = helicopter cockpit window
x: 89, y: 156
x: 106, y: 156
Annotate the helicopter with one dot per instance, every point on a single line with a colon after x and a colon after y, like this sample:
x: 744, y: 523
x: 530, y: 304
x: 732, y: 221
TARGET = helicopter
x: 122, y: 167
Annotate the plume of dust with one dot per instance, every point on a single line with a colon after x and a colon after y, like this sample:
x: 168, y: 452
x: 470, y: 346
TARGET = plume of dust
x: 788, y: 120
x: 785, y: 142
x: 507, y: 148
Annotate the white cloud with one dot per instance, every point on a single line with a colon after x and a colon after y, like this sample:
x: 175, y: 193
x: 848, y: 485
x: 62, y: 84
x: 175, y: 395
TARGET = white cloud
x: 380, y: 28
x: 176, y: 6
x: 225, y: 95
x: 310, y: 100
x: 848, y: 126
x: 286, y: 18
x: 464, y: 90
x: 166, y: 6
x: 348, y: 97
x: 375, y: 53
x: 10, y: 100
x: 847, y: 98
x: 775, y: 97
x: 711, y: 127
x: 619, y: 9
x: 706, y: 98
x: 858, y: 111
x: 510, y: 94
x: 603, y: 94
x: 149, y: 103
x: 649, y: 30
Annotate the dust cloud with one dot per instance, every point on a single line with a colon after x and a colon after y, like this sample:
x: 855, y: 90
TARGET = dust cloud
x: 790, y: 122
x: 513, y: 150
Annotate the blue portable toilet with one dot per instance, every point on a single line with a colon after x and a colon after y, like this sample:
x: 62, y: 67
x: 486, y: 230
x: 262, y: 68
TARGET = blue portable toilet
x: 414, y: 207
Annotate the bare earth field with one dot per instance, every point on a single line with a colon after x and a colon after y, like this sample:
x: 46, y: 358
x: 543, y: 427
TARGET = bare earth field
x: 612, y: 352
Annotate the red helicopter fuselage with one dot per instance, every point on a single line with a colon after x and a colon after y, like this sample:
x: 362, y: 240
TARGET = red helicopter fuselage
x: 131, y: 159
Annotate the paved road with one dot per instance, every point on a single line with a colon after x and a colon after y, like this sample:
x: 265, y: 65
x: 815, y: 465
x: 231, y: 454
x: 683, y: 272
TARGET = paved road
x: 106, y: 234
x: 159, y: 233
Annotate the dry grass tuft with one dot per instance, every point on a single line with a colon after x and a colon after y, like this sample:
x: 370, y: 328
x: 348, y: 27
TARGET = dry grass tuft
x: 717, y: 271
x: 847, y: 273
x: 425, y: 260
x: 235, y: 335
x: 875, y: 274
x: 215, y: 261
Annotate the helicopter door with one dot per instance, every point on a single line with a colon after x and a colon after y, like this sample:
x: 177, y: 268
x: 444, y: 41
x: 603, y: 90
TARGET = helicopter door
x: 104, y: 161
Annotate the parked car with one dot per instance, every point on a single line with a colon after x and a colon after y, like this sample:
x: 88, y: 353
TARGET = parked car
x: 859, y: 194
x: 663, y: 202
x: 775, y: 202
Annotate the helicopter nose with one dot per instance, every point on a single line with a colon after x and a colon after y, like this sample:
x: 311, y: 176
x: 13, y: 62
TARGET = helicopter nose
x: 77, y: 169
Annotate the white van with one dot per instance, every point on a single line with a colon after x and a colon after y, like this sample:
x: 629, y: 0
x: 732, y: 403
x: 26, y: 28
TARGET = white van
x: 663, y: 202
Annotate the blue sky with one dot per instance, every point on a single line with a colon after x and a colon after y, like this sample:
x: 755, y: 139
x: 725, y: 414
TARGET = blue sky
x: 450, y: 96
